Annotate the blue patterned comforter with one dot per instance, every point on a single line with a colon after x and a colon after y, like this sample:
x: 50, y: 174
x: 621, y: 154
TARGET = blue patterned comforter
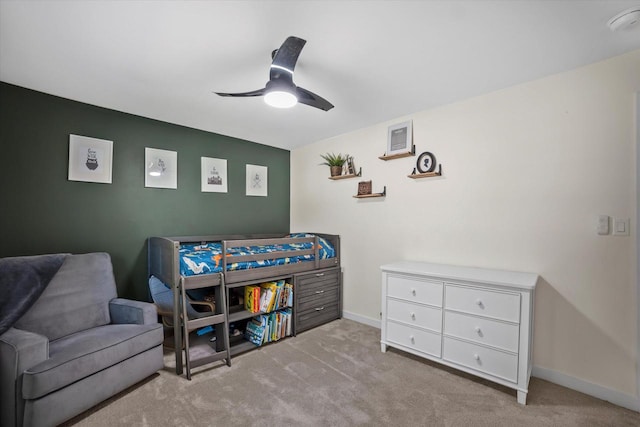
x: 198, y: 258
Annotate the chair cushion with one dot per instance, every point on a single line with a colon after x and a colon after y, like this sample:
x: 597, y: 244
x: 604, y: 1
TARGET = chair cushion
x: 76, y: 298
x: 84, y: 353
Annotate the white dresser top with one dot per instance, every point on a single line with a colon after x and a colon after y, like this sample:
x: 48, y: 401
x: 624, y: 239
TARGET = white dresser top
x: 469, y: 274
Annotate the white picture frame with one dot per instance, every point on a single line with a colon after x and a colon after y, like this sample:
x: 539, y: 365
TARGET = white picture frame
x: 257, y: 180
x: 213, y: 175
x: 90, y: 159
x: 400, y: 138
x: 160, y: 168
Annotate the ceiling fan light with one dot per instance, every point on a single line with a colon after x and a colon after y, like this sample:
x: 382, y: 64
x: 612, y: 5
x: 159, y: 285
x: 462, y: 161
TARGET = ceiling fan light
x: 626, y: 20
x: 280, y: 99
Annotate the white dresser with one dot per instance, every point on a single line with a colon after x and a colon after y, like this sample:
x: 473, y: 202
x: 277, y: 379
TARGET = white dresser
x: 477, y: 320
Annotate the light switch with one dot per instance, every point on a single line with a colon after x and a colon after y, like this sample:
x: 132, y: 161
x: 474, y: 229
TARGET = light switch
x: 603, y: 224
x: 621, y: 227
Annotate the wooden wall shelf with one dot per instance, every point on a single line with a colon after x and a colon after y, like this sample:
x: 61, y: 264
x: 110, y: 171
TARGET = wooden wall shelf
x: 368, y: 196
x: 426, y: 174
x: 401, y: 155
x: 352, y: 175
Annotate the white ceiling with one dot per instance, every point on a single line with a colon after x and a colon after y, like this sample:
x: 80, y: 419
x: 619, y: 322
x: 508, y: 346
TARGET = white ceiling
x: 374, y: 60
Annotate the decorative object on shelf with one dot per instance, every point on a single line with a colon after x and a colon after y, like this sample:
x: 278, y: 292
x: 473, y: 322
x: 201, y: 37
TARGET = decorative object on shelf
x: 364, y: 187
x: 368, y: 188
x: 257, y: 183
x: 161, y: 168
x: 213, y: 175
x: 335, y: 162
x: 399, y: 140
x: 426, y: 162
x: 90, y: 159
x: 425, y: 166
x: 348, y: 170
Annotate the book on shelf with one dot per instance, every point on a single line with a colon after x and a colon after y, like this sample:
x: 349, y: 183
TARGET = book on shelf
x: 266, y: 328
x: 252, y: 298
x: 269, y: 289
x: 254, y: 332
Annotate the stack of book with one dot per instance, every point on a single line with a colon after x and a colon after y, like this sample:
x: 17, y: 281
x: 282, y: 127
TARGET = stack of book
x: 267, y: 297
x: 266, y: 328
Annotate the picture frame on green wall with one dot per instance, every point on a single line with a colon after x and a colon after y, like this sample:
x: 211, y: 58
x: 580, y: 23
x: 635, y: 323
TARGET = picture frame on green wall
x: 161, y: 168
x: 257, y: 184
x: 213, y: 175
x: 90, y: 159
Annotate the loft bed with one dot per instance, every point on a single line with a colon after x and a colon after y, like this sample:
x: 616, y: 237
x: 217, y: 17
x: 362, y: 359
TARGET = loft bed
x: 192, y: 262
x: 198, y: 261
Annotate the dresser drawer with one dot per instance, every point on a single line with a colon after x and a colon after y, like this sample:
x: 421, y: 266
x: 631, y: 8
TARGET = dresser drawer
x: 318, y: 298
x: 312, y: 282
x: 414, y: 314
x: 499, y: 305
x: 417, y: 339
x: 316, y: 316
x: 497, y: 363
x: 482, y: 330
x: 415, y: 290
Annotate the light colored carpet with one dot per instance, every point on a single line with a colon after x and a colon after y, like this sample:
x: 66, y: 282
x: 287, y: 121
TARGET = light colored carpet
x: 336, y: 375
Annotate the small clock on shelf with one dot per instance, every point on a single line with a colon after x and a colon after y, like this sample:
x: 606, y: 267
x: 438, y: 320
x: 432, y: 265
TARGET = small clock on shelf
x: 426, y: 166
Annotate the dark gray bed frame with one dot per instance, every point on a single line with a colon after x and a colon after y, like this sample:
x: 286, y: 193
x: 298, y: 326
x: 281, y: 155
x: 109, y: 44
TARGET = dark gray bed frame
x: 164, y: 263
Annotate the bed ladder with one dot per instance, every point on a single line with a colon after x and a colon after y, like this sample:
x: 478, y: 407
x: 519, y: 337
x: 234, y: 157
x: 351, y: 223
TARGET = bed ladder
x: 201, y: 350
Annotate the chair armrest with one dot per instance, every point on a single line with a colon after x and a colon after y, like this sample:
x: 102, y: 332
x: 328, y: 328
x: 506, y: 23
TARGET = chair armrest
x: 211, y: 306
x: 125, y: 311
x: 19, y: 351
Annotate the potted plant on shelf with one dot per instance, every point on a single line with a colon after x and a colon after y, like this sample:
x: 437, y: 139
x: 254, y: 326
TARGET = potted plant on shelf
x: 335, y: 162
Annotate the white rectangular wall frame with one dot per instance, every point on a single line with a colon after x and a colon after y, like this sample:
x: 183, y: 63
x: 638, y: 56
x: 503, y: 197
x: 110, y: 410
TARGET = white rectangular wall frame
x: 477, y: 320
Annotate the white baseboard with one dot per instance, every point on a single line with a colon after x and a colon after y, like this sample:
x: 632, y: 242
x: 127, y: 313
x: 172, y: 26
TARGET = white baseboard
x: 616, y: 397
x: 361, y: 319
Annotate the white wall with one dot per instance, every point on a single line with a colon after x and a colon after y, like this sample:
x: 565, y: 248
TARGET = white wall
x: 526, y: 172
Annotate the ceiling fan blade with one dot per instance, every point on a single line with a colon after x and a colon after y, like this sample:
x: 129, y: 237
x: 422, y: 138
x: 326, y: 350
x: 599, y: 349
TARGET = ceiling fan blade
x: 286, y: 57
x: 258, y: 92
x: 309, y: 98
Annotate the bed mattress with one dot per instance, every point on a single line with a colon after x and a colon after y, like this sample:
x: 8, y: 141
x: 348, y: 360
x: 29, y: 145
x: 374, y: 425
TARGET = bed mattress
x: 206, y: 258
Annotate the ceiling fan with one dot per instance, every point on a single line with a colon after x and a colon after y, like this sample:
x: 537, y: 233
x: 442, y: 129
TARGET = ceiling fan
x: 280, y: 91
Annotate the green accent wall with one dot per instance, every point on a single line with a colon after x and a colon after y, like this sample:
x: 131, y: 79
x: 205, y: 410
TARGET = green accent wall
x: 43, y: 212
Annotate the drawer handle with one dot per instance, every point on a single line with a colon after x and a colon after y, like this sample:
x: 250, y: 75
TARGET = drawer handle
x: 319, y: 274
x: 319, y: 308
x: 413, y: 316
x: 476, y: 356
x: 478, y: 330
x: 319, y: 292
x: 479, y: 302
x: 412, y: 339
x: 413, y: 292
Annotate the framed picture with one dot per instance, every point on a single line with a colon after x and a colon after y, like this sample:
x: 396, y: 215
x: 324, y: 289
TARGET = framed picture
x: 161, y: 168
x: 257, y: 180
x: 213, y: 175
x: 90, y: 159
x: 364, y: 187
x: 426, y: 162
x: 399, y: 139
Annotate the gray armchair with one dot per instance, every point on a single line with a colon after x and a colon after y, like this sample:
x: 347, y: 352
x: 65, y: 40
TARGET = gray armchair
x: 77, y: 345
